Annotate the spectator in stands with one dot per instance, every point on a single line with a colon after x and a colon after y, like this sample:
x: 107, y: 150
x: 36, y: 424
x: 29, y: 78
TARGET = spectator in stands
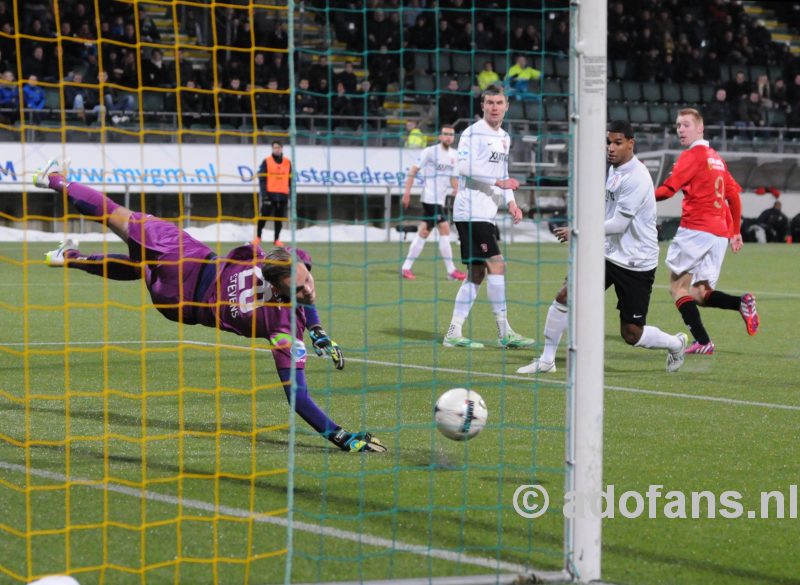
x: 379, y: 30
x: 520, y: 78
x: 323, y: 101
x: 774, y: 222
x: 274, y: 103
x: 279, y: 70
x: 752, y: 113
x: 117, y: 101
x: 38, y: 65
x: 261, y: 71
x: 764, y: 89
x: 79, y: 15
x: 319, y: 71
x: 518, y: 42
x: 185, y: 68
x: 558, y: 41
x: 232, y: 101
x: 645, y: 41
x: 447, y: 36
x: 81, y: 98
x: 36, y: 29
x: 383, y: 68
x: 279, y: 39
x: 669, y: 72
x: 488, y: 76
x: 371, y: 104
x: 156, y: 72
x: 718, y: 113
x: 462, y: 39
x: 129, y: 36
x: 422, y: 35
x: 415, y: 138
x: 457, y: 14
x: 691, y: 69
x: 348, y: 78
x: 33, y: 95
x: 452, y: 104
x: 9, y: 98
x: 619, y: 45
x: 779, y: 97
x: 342, y: 108
x: 793, y: 92
x: 148, y: 30
x: 533, y: 37
x: 4, y: 61
x: 305, y: 104
x: 6, y: 17
x: 192, y: 28
x: 712, y: 70
x: 738, y: 88
x: 484, y: 37
x: 194, y: 107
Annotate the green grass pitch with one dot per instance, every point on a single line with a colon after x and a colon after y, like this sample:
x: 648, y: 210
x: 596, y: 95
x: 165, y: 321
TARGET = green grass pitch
x: 191, y: 432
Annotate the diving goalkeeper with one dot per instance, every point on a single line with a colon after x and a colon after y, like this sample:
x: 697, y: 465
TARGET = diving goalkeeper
x: 243, y: 293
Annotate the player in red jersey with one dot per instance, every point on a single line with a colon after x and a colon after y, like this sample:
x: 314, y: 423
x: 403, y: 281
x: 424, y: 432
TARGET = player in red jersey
x: 710, y: 219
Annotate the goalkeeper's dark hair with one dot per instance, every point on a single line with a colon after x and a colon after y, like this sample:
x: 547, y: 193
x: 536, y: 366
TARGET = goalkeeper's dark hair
x: 277, y: 266
x: 494, y: 89
x: 621, y: 127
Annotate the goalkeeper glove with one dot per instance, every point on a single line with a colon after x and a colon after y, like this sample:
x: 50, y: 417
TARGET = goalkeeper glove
x: 325, y: 345
x: 356, y: 442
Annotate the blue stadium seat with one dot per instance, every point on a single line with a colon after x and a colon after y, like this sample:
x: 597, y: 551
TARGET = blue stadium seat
x: 462, y: 63
x: 619, y: 68
x: 692, y: 93
x: 651, y: 92
x: 424, y: 83
x: 534, y: 111
x: 708, y: 92
x: 639, y: 114
x: 614, y: 90
x: 552, y: 87
x: 422, y: 61
x: 555, y: 110
x: 659, y: 114
x: 776, y: 118
x: 672, y: 93
x: 516, y: 110
x: 562, y: 67
x: 617, y: 111
x: 632, y: 91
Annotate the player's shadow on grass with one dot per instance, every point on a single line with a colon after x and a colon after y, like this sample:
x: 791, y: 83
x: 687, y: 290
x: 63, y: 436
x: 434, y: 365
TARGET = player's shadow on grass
x: 409, y: 333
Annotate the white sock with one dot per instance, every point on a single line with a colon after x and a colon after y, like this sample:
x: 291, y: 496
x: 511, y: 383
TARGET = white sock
x: 496, y: 289
x: 554, y: 327
x: 467, y: 293
x: 414, y: 250
x: 654, y: 338
x: 447, y: 253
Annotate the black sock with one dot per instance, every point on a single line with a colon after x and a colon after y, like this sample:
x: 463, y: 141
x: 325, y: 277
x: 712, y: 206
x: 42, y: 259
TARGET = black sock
x: 691, y: 316
x: 278, y: 226
x: 721, y: 300
x: 261, y: 224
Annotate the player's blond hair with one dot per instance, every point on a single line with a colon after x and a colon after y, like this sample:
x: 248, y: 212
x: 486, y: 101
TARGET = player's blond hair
x: 691, y: 112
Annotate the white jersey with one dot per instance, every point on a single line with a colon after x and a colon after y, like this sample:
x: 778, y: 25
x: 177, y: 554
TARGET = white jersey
x: 482, y: 160
x: 629, y: 189
x: 437, y: 166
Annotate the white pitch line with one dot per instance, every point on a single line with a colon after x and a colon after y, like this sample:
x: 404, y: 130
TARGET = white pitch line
x: 364, y: 539
x: 661, y: 393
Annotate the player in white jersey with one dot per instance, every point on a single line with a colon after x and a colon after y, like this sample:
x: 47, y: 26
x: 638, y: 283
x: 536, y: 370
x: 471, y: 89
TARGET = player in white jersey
x: 631, y: 252
x: 438, y: 166
x: 484, y: 184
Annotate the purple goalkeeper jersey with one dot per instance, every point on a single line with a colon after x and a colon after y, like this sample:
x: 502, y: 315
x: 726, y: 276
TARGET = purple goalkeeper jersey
x: 245, y: 304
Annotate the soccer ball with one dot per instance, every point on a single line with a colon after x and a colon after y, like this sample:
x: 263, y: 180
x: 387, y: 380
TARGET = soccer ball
x: 460, y: 414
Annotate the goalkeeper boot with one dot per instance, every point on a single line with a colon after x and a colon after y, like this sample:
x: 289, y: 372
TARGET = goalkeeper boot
x: 60, y: 255
x: 41, y: 178
x: 455, y: 341
x: 357, y: 442
x: 514, y: 340
x: 675, y: 359
x: 537, y: 366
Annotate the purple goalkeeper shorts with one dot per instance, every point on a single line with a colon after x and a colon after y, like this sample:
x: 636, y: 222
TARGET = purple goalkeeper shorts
x: 175, y: 263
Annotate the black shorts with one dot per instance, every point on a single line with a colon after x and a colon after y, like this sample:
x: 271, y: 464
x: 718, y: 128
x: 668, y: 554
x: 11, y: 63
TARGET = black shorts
x: 478, y: 241
x: 275, y: 207
x: 633, y: 290
x: 432, y: 215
